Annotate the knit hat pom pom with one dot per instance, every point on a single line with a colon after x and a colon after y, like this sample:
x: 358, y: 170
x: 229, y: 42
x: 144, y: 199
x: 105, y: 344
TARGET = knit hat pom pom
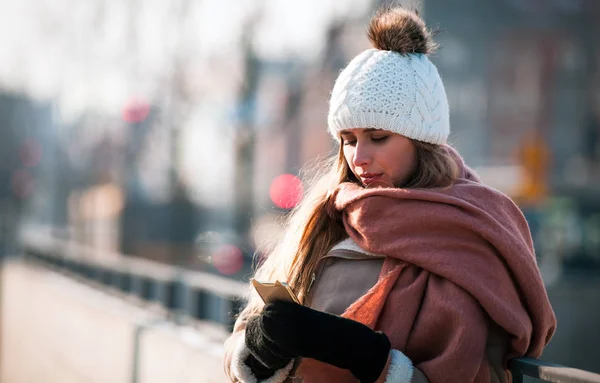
x: 400, y: 30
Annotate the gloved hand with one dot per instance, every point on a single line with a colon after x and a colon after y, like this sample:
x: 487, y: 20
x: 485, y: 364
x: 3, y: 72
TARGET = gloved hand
x: 259, y: 370
x: 265, y: 356
x: 302, y: 331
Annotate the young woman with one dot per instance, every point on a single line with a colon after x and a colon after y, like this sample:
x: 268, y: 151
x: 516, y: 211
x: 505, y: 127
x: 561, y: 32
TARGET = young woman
x: 407, y: 267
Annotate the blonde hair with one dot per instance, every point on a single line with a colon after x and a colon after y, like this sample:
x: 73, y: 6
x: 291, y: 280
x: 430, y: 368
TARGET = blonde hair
x: 313, y: 228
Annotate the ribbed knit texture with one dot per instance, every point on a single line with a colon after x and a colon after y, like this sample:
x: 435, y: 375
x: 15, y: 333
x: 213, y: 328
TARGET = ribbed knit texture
x: 402, y: 93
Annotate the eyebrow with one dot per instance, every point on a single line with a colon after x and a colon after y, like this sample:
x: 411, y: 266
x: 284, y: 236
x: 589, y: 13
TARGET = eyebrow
x: 343, y: 132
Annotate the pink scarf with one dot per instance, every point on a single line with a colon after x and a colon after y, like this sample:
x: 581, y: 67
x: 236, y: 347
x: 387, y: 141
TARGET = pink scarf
x: 458, y: 258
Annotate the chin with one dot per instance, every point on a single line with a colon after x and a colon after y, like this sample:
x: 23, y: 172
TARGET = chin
x: 378, y: 184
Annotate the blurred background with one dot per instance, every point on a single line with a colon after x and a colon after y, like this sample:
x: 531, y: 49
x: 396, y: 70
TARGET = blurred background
x: 162, y: 141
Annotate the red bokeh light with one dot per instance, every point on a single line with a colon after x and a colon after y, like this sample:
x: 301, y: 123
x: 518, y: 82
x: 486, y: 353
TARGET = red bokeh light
x: 30, y: 153
x: 286, y: 191
x: 136, y: 111
x: 228, y: 259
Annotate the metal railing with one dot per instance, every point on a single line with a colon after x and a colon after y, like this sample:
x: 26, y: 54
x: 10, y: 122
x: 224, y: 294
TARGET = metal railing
x: 208, y: 297
x: 549, y: 372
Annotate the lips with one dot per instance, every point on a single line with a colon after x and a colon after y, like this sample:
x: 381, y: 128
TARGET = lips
x: 370, y: 178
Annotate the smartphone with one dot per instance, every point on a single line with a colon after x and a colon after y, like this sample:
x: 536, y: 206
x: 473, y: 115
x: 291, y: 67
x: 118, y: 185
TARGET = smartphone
x: 272, y: 291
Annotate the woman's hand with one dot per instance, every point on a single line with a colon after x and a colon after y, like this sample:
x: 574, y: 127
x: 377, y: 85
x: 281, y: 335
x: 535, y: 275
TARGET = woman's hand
x: 302, y: 331
x: 265, y: 356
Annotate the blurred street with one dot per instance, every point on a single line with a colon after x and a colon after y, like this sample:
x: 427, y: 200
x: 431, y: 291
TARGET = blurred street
x: 54, y: 329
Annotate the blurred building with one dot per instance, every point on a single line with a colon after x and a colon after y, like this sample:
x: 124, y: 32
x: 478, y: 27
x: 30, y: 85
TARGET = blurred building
x: 523, y: 82
x: 180, y: 129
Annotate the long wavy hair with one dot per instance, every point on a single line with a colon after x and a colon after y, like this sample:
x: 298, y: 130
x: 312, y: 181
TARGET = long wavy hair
x: 310, y: 230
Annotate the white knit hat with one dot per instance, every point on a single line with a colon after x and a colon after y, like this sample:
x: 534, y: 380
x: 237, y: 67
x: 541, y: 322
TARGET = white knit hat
x: 398, y: 92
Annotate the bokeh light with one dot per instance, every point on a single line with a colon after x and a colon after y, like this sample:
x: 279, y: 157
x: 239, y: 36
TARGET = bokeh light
x: 136, y: 111
x: 286, y: 191
x: 228, y: 259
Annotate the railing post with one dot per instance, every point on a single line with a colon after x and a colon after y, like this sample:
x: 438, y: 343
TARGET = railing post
x: 517, y: 372
x: 549, y: 372
x: 517, y: 377
x: 137, y: 338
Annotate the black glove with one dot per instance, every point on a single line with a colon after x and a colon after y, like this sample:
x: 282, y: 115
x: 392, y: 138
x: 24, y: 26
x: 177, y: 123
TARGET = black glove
x: 259, y: 370
x: 265, y: 356
x: 328, y: 338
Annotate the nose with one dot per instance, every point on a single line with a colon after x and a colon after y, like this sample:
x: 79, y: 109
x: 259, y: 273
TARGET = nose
x: 362, y: 155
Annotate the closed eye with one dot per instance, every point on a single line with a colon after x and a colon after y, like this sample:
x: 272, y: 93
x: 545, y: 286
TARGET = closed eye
x: 379, y: 139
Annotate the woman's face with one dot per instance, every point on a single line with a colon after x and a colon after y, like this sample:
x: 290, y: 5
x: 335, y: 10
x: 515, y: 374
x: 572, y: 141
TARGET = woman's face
x: 379, y: 158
